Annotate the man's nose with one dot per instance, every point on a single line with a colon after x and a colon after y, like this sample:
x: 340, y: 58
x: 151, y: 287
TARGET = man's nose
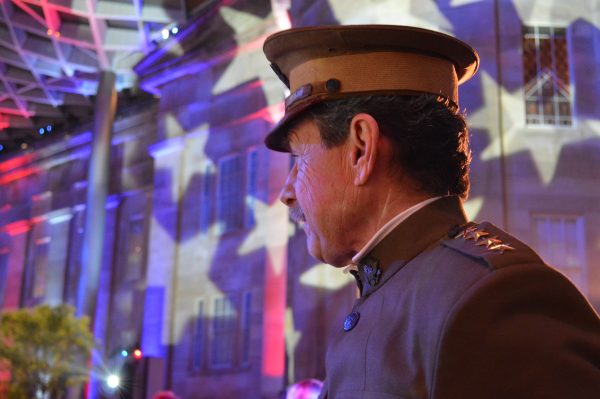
x: 288, y: 195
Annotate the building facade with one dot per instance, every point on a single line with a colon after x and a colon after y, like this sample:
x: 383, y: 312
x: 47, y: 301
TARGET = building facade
x: 202, y: 269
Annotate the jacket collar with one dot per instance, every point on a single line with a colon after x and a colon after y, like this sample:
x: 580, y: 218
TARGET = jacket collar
x: 419, y: 231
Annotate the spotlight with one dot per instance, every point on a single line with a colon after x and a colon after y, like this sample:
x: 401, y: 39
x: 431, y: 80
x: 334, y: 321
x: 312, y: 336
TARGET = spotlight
x: 41, y: 131
x: 137, y: 354
x: 49, y: 128
x: 113, y: 381
x: 124, y: 353
x: 174, y: 30
x: 165, y: 34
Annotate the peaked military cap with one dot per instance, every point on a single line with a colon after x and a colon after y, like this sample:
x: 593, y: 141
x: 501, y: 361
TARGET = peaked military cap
x: 331, y: 62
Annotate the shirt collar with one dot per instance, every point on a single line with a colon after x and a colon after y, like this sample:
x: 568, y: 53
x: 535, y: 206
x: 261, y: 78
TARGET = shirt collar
x: 387, y: 228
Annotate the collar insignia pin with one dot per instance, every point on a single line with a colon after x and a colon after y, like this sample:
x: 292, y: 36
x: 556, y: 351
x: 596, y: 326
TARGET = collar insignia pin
x: 372, y: 272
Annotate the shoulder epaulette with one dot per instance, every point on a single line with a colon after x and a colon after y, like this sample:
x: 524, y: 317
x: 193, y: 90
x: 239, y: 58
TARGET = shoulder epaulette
x: 495, y: 247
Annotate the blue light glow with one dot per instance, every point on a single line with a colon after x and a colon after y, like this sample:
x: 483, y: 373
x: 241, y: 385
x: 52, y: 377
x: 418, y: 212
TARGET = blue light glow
x: 42, y: 131
x: 124, y: 353
x: 1, y: 147
x: 174, y: 30
x: 49, y: 128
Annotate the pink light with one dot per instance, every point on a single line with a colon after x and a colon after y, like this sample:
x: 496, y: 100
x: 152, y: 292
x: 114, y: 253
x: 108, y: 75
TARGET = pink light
x: 16, y: 175
x: 274, y: 315
x: 16, y: 228
x: 14, y: 163
x: 271, y: 114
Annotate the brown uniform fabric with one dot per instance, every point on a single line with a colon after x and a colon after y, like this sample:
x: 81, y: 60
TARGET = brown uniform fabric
x: 450, y: 319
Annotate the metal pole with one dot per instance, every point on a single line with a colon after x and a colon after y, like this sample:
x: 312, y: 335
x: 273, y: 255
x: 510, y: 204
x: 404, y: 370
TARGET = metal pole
x: 97, y: 191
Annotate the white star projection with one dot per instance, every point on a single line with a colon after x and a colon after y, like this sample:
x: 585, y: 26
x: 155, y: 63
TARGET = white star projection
x: 542, y: 142
x: 422, y: 13
x: 458, y: 3
x: 249, y: 62
x: 292, y: 338
x: 183, y: 157
x: 270, y: 232
x: 326, y: 276
x: 542, y: 12
x: 473, y: 206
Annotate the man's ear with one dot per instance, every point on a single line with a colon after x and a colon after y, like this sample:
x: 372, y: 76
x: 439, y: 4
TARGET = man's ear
x: 364, y: 139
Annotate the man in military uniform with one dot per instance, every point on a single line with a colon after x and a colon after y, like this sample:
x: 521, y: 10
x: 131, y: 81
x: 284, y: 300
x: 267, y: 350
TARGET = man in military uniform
x: 448, y: 308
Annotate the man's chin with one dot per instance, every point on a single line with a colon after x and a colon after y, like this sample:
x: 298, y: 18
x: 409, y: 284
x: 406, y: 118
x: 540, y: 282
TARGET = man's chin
x: 316, y: 251
x: 313, y: 246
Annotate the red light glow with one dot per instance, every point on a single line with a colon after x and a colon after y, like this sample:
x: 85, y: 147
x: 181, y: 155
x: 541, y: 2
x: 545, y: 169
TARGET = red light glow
x: 137, y: 354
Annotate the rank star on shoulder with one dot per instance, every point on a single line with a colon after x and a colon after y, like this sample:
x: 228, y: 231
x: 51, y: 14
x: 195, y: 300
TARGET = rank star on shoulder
x: 489, y: 242
x: 472, y: 233
x: 477, y: 234
x: 501, y: 248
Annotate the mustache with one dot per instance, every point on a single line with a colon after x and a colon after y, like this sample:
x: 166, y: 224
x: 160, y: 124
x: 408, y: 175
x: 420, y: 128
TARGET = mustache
x: 297, y: 215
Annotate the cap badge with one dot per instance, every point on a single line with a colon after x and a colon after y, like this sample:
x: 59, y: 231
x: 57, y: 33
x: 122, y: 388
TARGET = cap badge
x: 300, y: 93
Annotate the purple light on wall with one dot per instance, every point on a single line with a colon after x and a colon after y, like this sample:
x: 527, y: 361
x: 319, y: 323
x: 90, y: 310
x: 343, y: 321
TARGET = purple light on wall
x: 153, y: 322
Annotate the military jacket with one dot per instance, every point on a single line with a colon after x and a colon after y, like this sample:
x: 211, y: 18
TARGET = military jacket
x: 457, y: 310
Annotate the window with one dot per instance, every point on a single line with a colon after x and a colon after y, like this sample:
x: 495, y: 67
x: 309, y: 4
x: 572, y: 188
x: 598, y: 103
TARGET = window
x: 230, y: 204
x: 35, y: 274
x: 198, y: 341
x: 206, y: 198
x: 73, y: 272
x: 251, y: 186
x: 546, y: 76
x: 3, y: 274
x: 224, y: 333
x: 561, y: 243
x: 245, y: 327
x: 135, y: 246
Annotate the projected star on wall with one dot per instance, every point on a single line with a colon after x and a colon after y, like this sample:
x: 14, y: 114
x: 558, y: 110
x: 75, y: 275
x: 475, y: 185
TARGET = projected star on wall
x: 473, y: 206
x: 248, y: 62
x: 292, y: 338
x: 271, y: 232
x: 422, y: 13
x: 542, y: 143
x: 550, y: 10
x: 326, y: 277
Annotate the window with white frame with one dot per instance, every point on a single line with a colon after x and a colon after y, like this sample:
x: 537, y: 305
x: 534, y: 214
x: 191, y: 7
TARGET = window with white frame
x: 251, y: 186
x: 198, y: 340
x: 230, y: 201
x: 206, y: 198
x: 546, y: 76
x: 224, y: 326
x: 560, y: 240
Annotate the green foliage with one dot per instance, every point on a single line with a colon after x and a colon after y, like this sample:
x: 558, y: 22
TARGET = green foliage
x: 45, y: 349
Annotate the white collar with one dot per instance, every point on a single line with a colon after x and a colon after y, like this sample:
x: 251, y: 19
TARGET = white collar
x: 388, y: 227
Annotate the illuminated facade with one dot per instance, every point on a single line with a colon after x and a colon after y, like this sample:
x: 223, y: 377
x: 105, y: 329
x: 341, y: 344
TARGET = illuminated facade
x: 202, y: 269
